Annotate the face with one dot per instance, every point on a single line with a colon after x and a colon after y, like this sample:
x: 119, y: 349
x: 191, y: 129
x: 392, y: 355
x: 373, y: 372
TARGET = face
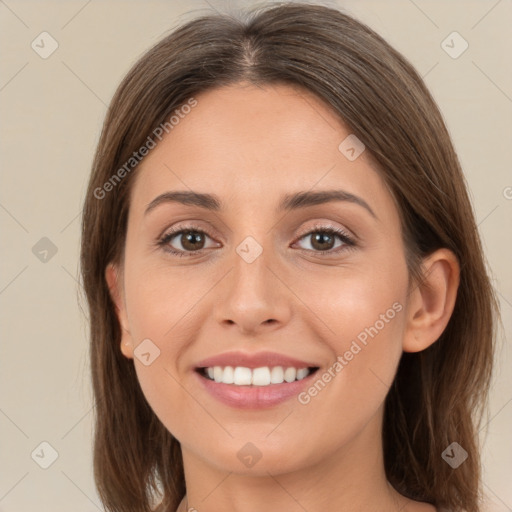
x: 263, y: 281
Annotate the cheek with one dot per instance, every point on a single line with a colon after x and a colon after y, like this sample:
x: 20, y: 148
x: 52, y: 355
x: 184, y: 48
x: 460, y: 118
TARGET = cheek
x: 159, y: 299
x: 362, y: 302
x: 365, y: 314
x: 162, y: 307
x: 361, y: 318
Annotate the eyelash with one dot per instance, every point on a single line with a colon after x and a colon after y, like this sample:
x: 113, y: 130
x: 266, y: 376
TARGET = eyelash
x: 347, y: 240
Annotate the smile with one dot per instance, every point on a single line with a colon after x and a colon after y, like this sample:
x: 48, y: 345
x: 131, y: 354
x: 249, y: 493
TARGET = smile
x: 262, y: 376
x: 254, y: 388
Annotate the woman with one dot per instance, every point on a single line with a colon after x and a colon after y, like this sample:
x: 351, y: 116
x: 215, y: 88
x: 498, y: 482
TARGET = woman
x: 289, y: 306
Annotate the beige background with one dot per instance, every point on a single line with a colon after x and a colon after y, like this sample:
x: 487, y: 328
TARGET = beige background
x: 51, y: 114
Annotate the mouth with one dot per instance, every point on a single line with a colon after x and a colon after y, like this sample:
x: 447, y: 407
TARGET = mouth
x: 261, y: 387
x: 261, y: 376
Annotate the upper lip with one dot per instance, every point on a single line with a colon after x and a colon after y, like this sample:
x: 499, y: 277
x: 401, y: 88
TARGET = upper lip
x: 254, y: 360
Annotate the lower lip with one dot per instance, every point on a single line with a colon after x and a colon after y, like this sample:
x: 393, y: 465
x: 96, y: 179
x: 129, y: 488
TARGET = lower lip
x: 254, y: 397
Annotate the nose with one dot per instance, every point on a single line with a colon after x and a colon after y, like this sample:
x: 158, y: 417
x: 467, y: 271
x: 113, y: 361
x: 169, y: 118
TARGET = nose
x: 253, y: 297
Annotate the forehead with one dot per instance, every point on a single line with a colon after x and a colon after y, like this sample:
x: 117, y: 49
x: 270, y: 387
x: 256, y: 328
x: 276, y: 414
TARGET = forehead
x: 251, y: 144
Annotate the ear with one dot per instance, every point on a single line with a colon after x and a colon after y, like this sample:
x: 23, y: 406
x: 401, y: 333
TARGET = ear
x: 113, y: 277
x: 431, y: 302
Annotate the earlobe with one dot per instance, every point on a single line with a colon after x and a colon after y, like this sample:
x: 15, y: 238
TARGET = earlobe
x: 126, y: 348
x: 432, y: 301
x: 113, y: 282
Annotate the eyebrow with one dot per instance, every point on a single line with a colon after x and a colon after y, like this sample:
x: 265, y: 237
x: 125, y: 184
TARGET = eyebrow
x: 288, y: 202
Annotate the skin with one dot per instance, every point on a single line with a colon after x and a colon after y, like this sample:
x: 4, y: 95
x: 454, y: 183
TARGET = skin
x: 249, y: 146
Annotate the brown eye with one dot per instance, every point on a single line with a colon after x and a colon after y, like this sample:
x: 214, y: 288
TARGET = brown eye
x: 192, y: 240
x: 323, y: 240
x: 184, y: 242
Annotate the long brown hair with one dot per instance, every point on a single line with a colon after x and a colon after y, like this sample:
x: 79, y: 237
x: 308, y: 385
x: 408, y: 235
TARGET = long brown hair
x: 439, y: 395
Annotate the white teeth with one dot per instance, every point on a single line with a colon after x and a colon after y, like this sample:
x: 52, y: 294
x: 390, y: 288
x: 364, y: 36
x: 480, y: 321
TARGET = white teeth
x: 277, y: 375
x: 263, y: 376
x: 217, y: 374
x: 290, y: 374
x: 242, y: 376
x: 228, y: 376
x: 302, y: 373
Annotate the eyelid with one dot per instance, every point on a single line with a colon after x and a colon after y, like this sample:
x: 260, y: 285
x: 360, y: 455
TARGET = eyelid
x: 325, y: 225
x: 188, y: 225
x: 191, y: 226
x: 347, y: 238
x: 348, y: 241
x: 168, y: 234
